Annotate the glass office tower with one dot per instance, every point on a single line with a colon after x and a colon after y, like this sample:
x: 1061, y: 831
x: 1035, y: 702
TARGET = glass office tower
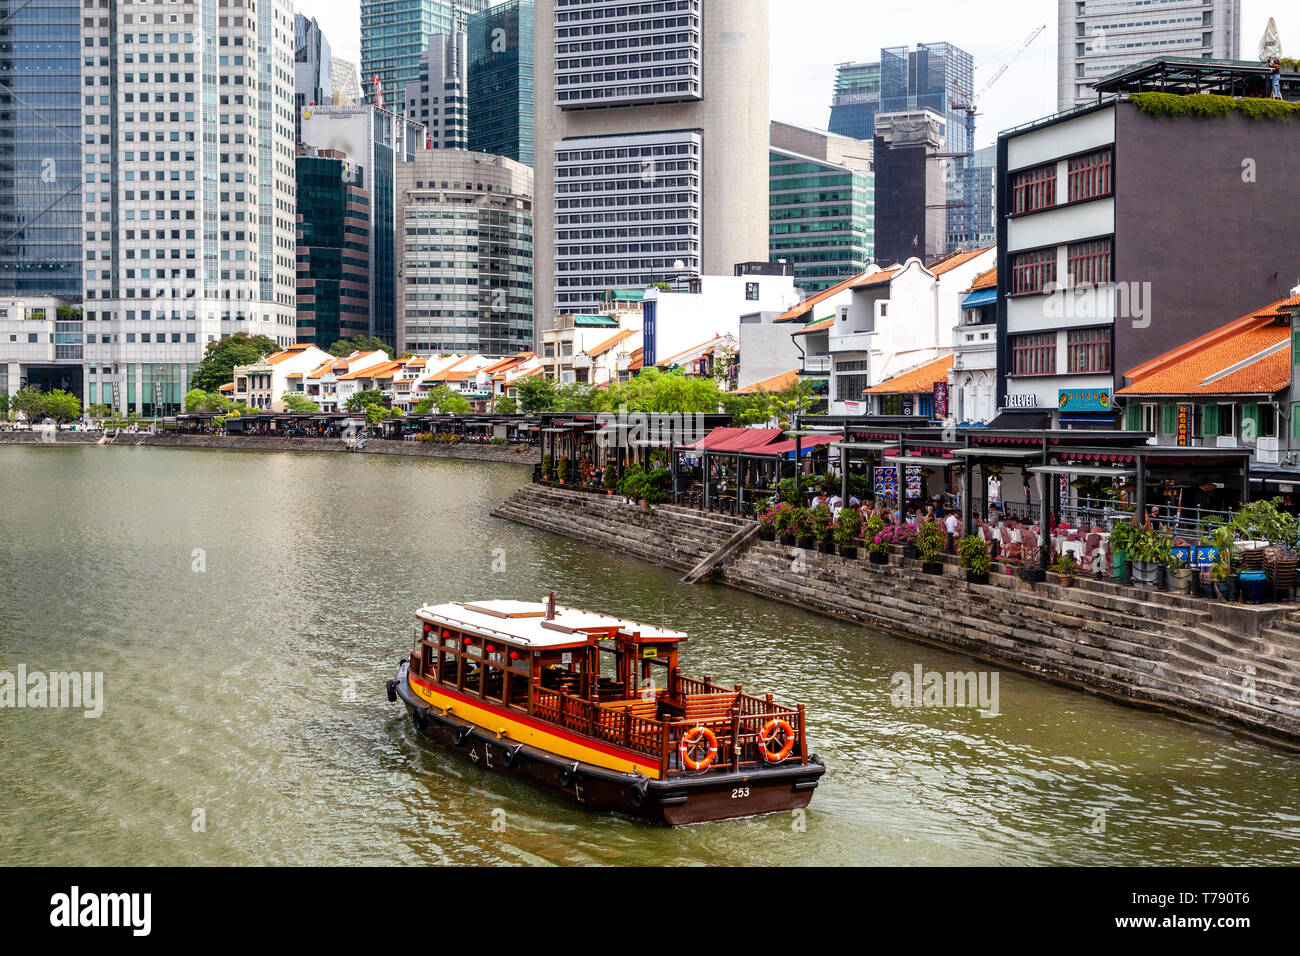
x: 500, y: 85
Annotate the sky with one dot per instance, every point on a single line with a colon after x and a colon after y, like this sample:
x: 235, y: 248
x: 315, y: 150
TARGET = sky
x: 810, y: 36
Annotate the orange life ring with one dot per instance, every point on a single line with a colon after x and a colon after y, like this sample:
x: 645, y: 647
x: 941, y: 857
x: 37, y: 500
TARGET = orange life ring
x: 768, y: 734
x: 689, y: 740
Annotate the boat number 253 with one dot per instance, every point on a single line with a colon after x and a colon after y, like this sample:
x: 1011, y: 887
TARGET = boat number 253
x: 739, y: 793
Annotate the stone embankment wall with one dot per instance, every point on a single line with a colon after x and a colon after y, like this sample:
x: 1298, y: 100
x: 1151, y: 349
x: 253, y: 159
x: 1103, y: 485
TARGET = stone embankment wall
x: 1232, y: 666
x: 518, y: 455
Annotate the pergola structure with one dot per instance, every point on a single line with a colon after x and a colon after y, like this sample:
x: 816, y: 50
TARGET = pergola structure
x: 1182, y: 77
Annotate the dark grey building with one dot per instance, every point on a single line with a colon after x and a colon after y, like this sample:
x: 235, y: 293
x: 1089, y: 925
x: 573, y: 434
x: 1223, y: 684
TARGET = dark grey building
x: 910, y: 190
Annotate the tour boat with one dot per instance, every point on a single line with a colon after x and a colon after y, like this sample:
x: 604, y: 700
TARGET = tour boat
x: 594, y: 708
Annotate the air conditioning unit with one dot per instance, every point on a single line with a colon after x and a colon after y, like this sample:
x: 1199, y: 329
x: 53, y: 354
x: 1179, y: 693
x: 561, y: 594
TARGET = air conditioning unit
x: 1266, y: 451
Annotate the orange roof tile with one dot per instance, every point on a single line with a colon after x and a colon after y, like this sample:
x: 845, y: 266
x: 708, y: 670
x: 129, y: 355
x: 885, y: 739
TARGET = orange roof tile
x: 613, y: 340
x: 985, y: 280
x: 288, y: 353
x: 916, y: 381
x: 879, y: 278
x: 955, y: 259
x: 816, y: 326
x: 228, y: 387
x: 1249, y: 356
x: 636, y: 360
x: 442, y: 376
x: 802, y: 309
x: 776, y: 383
x: 381, y: 370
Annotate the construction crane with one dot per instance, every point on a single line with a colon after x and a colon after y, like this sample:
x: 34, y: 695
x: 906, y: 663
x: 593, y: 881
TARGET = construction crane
x: 963, y: 100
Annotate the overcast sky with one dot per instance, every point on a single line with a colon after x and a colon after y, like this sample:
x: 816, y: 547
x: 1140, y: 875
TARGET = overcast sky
x: 810, y: 36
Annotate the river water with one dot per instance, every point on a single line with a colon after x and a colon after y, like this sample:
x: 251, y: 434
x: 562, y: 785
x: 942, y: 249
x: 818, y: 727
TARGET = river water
x: 246, y: 608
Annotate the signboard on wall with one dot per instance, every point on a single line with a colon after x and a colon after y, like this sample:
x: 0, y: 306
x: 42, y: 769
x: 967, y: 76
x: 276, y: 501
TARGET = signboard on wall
x: 940, y: 399
x: 1084, y: 400
x: 1184, y: 425
x: 885, y: 481
x: 1022, y: 401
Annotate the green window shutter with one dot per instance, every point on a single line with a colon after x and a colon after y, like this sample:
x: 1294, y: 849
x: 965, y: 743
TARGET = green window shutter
x: 1295, y: 347
x: 1210, y: 421
x: 1295, y: 420
x: 1134, y: 422
x: 1168, y: 419
x: 1250, y: 421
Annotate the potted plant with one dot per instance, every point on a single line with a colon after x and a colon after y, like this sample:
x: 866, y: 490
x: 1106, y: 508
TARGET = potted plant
x: 563, y: 469
x: 767, y: 515
x: 847, y: 528
x: 930, y: 541
x: 783, y: 524
x: 1179, y: 572
x: 1066, y: 569
x: 1031, y: 568
x: 1121, y: 540
x: 1224, y: 539
x: 547, y: 473
x: 610, y: 477
x: 1146, y: 554
x: 877, y: 543
x: 824, y: 529
x: 905, y: 535
x: 1222, y: 573
x: 802, y: 526
x: 973, y: 553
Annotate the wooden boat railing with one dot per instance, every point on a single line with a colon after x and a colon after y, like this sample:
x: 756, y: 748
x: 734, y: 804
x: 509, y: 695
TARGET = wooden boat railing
x: 737, y: 727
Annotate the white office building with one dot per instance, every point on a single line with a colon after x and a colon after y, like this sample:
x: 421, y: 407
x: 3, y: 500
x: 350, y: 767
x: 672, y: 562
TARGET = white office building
x: 652, y: 135
x: 189, y: 193
x: 1098, y: 37
x: 436, y: 98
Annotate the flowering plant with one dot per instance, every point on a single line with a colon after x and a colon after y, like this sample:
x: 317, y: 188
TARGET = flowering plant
x: 769, y: 516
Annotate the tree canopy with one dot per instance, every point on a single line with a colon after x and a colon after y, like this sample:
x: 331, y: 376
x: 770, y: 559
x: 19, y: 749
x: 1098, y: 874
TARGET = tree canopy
x: 359, y: 343
x: 38, y: 405
x: 300, y: 404
x: 443, y: 400
x: 221, y: 357
x: 364, y: 399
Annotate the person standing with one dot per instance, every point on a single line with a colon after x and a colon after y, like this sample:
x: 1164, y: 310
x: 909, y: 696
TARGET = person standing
x: 951, y: 525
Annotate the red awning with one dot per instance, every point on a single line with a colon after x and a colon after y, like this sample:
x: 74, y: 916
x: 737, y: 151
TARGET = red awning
x: 787, y: 447
x: 728, y: 439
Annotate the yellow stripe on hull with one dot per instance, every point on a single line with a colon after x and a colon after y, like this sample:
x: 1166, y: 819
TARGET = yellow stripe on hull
x: 502, y: 725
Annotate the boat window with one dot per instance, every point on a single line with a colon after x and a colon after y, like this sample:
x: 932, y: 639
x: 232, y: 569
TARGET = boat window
x: 471, y: 664
x: 494, y: 683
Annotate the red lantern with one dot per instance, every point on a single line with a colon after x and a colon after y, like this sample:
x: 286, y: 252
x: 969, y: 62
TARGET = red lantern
x: 469, y: 642
x: 491, y: 648
x: 514, y: 655
x: 428, y: 628
x: 446, y: 633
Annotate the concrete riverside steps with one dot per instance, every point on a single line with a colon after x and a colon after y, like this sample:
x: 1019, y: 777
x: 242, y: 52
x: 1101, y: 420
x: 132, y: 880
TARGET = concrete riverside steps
x: 1154, y: 649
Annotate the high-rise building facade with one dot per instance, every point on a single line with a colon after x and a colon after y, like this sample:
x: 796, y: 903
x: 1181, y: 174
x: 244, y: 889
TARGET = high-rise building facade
x: 436, y: 97
x: 822, y: 203
x: 394, y: 36
x: 910, y: 188
x: 856, y: 100
x: 501, y: 80
x: 313, y: 80
x: 1098, y: 37
x: 379, y: 141
x: 465, y: 253
x: 333, y: 251
x: 188, y: 191
x: 41, y: 146
x: 652, y: 144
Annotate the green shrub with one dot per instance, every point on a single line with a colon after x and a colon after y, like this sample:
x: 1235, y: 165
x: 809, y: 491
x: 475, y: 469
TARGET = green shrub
x: 973, y: 553
x: 929, y: 540
x: 1212, y: 106
x: 847, y: 527
x: 823, y: 529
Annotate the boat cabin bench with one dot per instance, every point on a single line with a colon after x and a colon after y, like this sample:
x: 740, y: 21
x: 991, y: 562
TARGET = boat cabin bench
x: 706, y: 706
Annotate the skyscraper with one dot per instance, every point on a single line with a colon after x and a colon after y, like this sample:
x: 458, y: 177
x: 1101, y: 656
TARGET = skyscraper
x: 333, y: 247
x: 312, y: 77
x: 394, y: 36
x: 501, y: 77
x: 379, y: 141
x: 1098, y: 37
x: 856, y: 100
x: 188, y: 193
x: 465, y: 253
x: 41, y: 145
x: 822, y: 204
x: 436, y: 97
x: 652, y: 144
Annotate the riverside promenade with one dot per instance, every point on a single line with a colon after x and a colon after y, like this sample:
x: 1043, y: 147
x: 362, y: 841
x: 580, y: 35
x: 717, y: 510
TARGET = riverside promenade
x: 1230, y: 665
x: 465, y: 451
